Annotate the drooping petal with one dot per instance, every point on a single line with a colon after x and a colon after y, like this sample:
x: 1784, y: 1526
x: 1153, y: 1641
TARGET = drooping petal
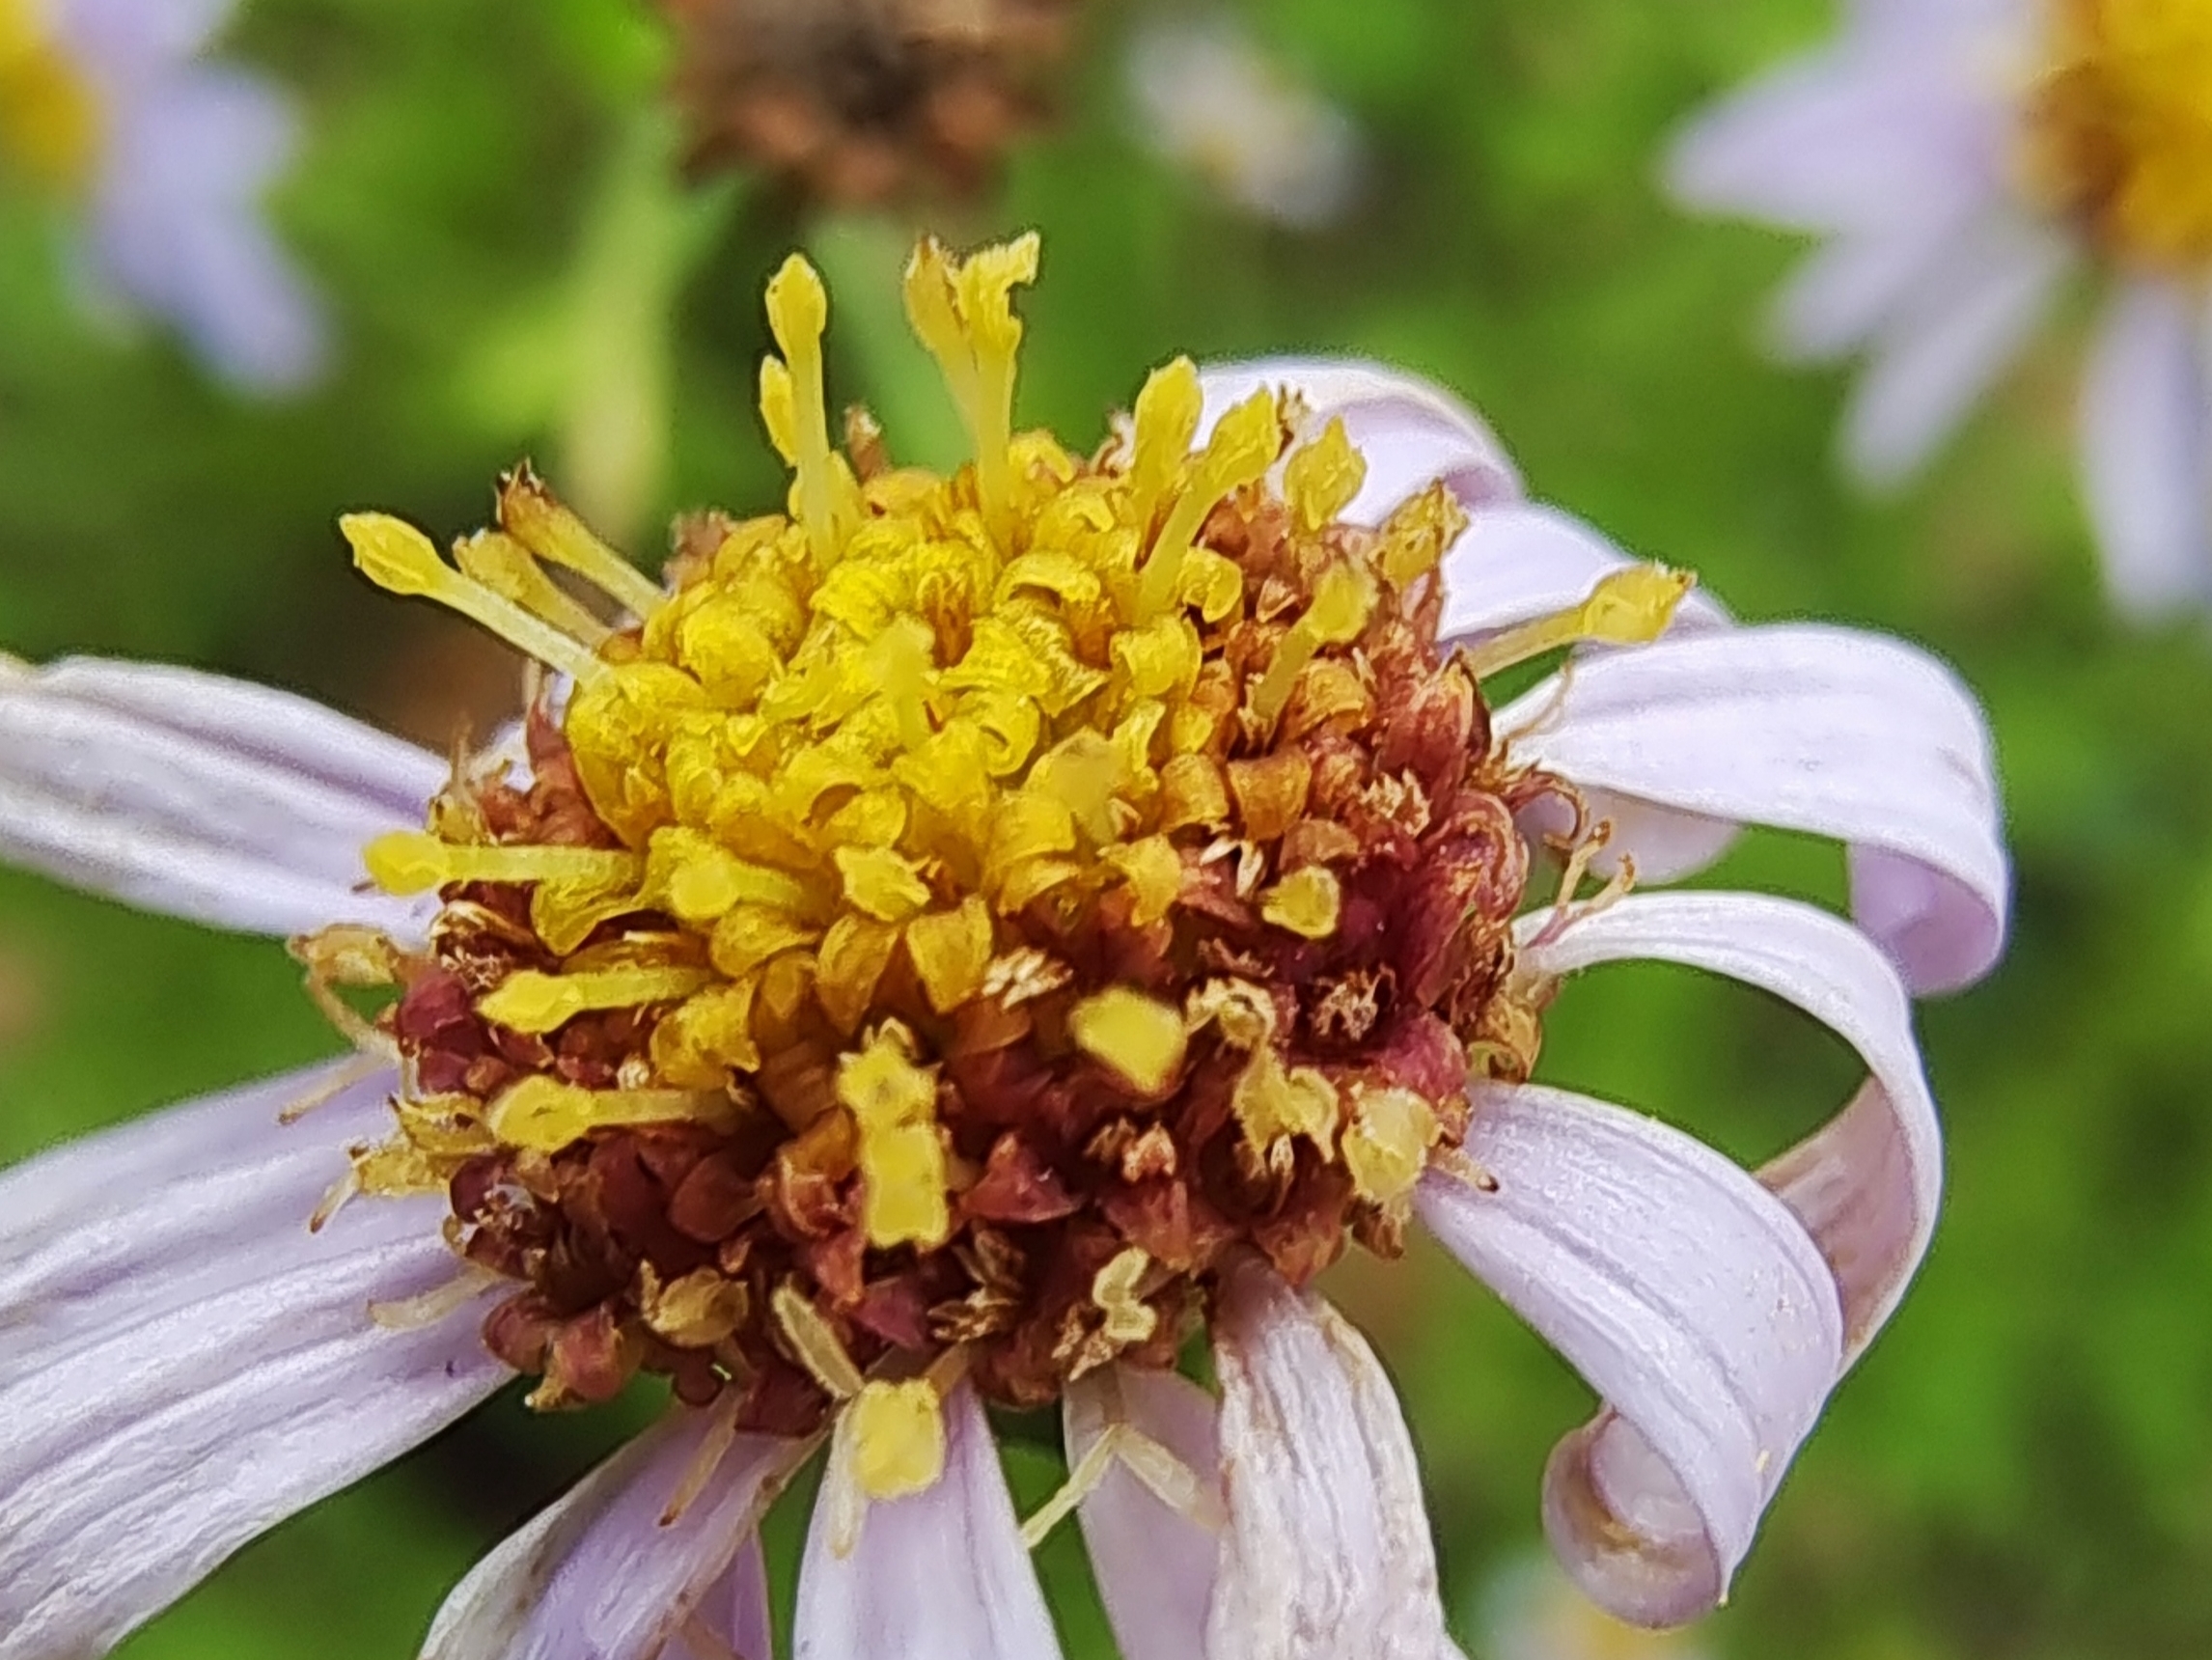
x: 1869, y: 1185
x: 1153, y: 1564
x: 1411, y: 431
x: 1519, y: 562
x: 1327, y: 1554
x: 2146, y: 450
x: 618, y: 1569
x: 1691, y: 1300
x: 1939, y: 352
x: 202, y: 797
x: 167, y: 1395
x: 942, y: 1575
x: 1813, y: 728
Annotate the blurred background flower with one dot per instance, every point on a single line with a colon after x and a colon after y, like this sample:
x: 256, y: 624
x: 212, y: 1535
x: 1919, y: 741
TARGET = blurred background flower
x: 2022, y: 1470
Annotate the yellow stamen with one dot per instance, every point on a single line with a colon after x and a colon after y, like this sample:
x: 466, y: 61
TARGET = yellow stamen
x: 1386, y: 1144
x: 815, y: 1346
x: 1138, y: 1037
x: 545, y: 1115
x: 794, y: 403
x: 893, y: 1104
x: 506, y: 567
x: 1306, y: 902
x: 413, y: 862
x: 1343, y: 599
x: 529, y: 512
x: 1273, y: 1104
x: 402, y: 560
x: 962, y: 310
x: 1630, y: 607
x: 1165, y: 421
x: 884, y: 884
x: 538, y: 1003
x: 1129, y: 1319
x: 951, y: 951
x: 1242, y: 446
x: 1321, y: 479
x: 897, y: 1438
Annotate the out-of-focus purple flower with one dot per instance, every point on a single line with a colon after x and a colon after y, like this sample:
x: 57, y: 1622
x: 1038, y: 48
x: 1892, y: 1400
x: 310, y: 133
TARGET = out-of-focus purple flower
x: 1964, y: 158
x: 168, y: 157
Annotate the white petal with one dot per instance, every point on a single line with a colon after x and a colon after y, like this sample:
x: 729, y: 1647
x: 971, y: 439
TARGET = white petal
x: 1939, y: 354
x: 1691, y: 1299
x: 173, y: 1397
x: 1519, y: 562
x: 2146, y: 451
x: 1869, y: 1185
x: 1411, y: 431
x: 603, y: 1572
x: 1822, y: 730
x: 943, y: 1575
x: 202, y: 797
x: 1154, y: 1565
x: 1327, y: 1554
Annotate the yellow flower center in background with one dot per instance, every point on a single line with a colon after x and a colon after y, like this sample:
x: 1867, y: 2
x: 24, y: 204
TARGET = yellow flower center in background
x: 49, y: 116
x: 2120, y: 129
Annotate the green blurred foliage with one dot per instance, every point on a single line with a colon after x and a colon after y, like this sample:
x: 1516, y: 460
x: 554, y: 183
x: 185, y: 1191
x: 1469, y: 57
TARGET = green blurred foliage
x: 2022, y: 1468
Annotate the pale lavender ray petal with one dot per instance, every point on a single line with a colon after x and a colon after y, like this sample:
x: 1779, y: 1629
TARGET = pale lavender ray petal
x: 1869, y: 1185
x: 173, y: 1207
x: 201, y: 798
x: 128, y: 40
x: 617, y: 1571
x: 942, y: 1575
x: 1327, y: 1554
x: 1965, y: 323
x: 1844, y: 293
x: 1411, y: 431
x: 1822, y: 730
x: 1154, y: 1565
x: 1688, y: 1296
x: 1519, y: 562
x: 135, y: 1460
x: 2146, y: 450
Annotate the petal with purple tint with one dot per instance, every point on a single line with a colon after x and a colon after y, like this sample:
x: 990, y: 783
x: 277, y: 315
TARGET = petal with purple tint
x: 1966, y: 319
x: 1327, y: 1553
x: 1411, y: 431
x: 618, y: 1570
x: 1691, y: 1300
x: 1869, y: 1185
x: 943, y: 1575
x: 127, y: 41
x: 202, y: 797
x: 185, y: 1365
x: 1822, y: 730
x: 1153, y: 1564
x: 2146, y: 449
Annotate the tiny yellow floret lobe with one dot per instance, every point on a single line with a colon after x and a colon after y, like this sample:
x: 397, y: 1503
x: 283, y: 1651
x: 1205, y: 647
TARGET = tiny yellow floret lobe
x: 897, y: 1438
x: 1307, y: 902
x: 1139, y: 1036
x: 1632, y: 606
x: 894, y: 1103
x: 1387, y: 1142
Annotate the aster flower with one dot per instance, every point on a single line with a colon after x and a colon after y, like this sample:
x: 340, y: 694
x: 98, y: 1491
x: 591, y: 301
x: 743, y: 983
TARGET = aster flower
x: 1966, y: 157
x: 1209, y: 99
x: 859, y: 102
x: 166, y: 155
x: 956, y: 944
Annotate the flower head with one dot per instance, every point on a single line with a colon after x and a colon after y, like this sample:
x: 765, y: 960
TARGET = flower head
x: 863, y: 100
x: 1964, y: 156
x: 108, y: 104
x: 956, y: 942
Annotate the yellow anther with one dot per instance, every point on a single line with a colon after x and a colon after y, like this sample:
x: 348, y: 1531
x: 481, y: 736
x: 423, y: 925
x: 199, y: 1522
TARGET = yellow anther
x: 544, y: 1114
x: 881, y: 882
x: 1306, y: 902
x: 1387, y: 1142
x: 828, y: 498
x: 1243, y: 446
x: 814, y: 1343
x: 1273, y: 1104
x: 951, y: 951
x: 746, y: 936
x: 963, y: 312
x: 1164, y: 424
x: 697, y: 1045
x: 1343, y: 601
x: 1321, y: 477
x: 529, y: 512
x: 1415, y: 536
x: 724, y: 646
x: 506, y: 567
x: 1082, y: 774
x: 402, y: 560
x: 850, y: 965
x: 897, y: 1438
x: 894, y: 1105
x: 528, y: 1001
x: 1154, y: 872
x: 696, y: 1310
x: 1140, y: 1037
x: 1630, y: 607
x: 700, y: 880
x: 1129, y: 1319
x: 412, y: 862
